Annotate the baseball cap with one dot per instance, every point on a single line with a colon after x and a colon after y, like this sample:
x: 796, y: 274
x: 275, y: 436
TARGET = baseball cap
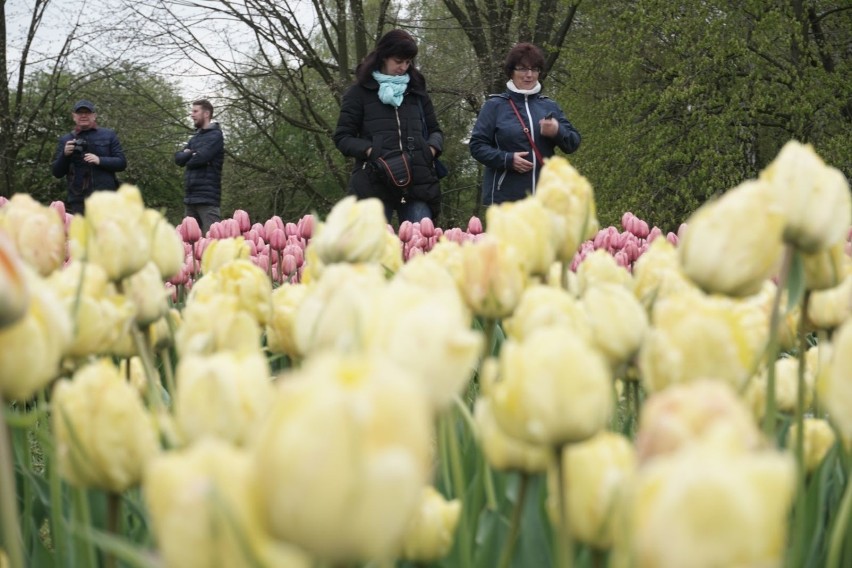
x: 84, y: 104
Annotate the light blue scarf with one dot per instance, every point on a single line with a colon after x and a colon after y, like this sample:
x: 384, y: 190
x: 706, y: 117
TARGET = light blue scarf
x: 391, y: 87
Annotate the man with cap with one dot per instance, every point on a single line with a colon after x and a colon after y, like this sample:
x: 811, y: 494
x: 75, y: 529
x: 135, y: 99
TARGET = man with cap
x: 203, y: 157
x: 88, y: 157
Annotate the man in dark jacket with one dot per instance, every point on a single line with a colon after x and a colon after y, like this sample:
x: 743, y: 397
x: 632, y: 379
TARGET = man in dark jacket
x: 203, y: 157
x: 88, y: 157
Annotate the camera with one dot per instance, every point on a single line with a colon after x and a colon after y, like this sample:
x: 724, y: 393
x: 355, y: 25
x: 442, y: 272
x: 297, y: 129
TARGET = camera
x: 80, y: 146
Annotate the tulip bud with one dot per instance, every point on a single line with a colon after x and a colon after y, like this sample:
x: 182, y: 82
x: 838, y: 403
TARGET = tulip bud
x: 104, y: 435
x: 429, y: 535
x: 734, y: 243
x: 306, y: 226
x: 474, y: 226
x: 814, y: 197
x: 819, y: 438
x: 14, y: 296
x: 834, y: 391
x: 35, y: 231
x: 354, y: 231
x: 31, y: 348
x: 492, y: 277
x: 503, y: 452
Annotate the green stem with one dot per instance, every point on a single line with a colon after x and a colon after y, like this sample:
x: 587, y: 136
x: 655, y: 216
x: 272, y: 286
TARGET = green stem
x: 169, y: 371
x: 801, y: 497
x: 770, y: 418
x: 562, y: 540
x: 835, y: 545
x: 515, y: 527
x: 58, y: 535
x: 8, y: 498
x: 445, y: 458
x: 457, y: 470
x: 113, y: 521
x: 83, y: 520
x: 489, y: 326
x: 27, y: 515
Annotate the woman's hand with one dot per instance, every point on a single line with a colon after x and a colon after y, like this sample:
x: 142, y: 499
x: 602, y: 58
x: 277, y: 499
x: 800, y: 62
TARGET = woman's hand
x: 549, y: 127
x: 520, y: 164
x: 434, y: 151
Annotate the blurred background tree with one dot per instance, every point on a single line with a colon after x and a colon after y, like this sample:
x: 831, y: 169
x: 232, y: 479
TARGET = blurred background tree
x: 676, y: 102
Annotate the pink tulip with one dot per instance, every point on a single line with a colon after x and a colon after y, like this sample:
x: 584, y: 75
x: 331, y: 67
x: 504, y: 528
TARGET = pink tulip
x: 622, y: 259
x: 3, y: 201
x: 414, y: 251
x: 406, y: 231
x: 262, y: 261
x: 242, y: 219
x: 474, y: 226
x: 631, y: 249
x: 191, y: 232
x: 277, y: 240
x: 59, y: 207
x: 655, y: 232
x: 427, y: 227
x: 252, y: 247
x: 288, y: 265
x: 296, y: 241
x: 200, y: 246
x: 291, y: 229
x: 259, y: 228
x: 439, y: 232
x: 626, y: 219
x: 680, y: 231
x: 216, y: 231
x: 296, y: 252
x: 306, y: 226
x: 672, y: 238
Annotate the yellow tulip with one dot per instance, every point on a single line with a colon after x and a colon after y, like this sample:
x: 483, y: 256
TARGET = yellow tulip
x: 596, y: 478
x: 101, y: 317
x: 733, y: 244
x: 222, y: 251
x: 337, y: 308
x: 554, y: 388
x: 427, y: 332
x: 103, y: 433
x: 354, y: 231
x: 280, y: 329
x: 570, y: 198
x: 657, y: 274
x: 704, y: 508
x: 835, y: 387
x: 146, y: 290
x: 545, y: 306
x: 786, y: 388
x: 391, y: 258
x: 32, y: 347
x: 204, y: 510
x: 600, y: 267
x: 815, y: 197
x: 819, y: 438
x: 166, y: 244
x: 223, y: 395
x: 827, y: 309
x: 217, y: 322
x: 503, y: 452
x: 701, y: 412
x: 827, y: 268
x: 618, y: 321
x: 529, y: 228
x: 429, y: 535
x: 343, y: 456
x: 694, y: 336
x: 492, y: 277
x: 241, y: 279
x: 109, y: 235
x: 14, y: 296
x: 37, y: 232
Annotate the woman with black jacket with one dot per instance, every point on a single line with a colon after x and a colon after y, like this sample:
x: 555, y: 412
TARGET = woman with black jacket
x: 388, y: 111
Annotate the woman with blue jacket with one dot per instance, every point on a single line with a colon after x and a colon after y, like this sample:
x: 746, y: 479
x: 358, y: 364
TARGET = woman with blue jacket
x: 516, y: 130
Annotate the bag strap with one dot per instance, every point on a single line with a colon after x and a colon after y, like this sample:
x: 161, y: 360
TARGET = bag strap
x: 527, y: 132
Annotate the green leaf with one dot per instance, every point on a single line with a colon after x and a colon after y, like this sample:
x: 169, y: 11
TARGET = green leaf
x: 131, y: 555
x: 795, y: 281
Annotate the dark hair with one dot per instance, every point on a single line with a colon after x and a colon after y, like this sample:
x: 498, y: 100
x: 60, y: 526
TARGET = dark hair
x: 395, y: 43
x: 523, y: 54
x: 205, y: 105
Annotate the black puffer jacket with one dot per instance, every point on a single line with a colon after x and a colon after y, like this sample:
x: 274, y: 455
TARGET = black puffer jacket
x: 366, y: 122
x: 203, y: 176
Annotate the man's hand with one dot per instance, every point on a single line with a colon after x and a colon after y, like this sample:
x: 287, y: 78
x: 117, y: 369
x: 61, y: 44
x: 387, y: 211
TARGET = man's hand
x: 69, y: 148
x: 91, y: 159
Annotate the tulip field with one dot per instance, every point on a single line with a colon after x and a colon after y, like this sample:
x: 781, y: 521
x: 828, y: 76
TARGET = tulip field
x: 528, y: 391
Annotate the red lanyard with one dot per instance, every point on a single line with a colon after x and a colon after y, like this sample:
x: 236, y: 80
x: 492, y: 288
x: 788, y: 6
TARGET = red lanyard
x: 527, y: 132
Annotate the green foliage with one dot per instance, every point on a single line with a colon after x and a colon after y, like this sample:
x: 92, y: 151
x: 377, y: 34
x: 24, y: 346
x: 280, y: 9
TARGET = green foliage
x: 679, y: 103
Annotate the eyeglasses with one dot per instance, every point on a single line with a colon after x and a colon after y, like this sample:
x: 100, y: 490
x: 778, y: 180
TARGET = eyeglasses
x: 533, y: 70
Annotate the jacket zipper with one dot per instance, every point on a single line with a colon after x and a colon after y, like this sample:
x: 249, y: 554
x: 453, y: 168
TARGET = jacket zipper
x: 398, y: 128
